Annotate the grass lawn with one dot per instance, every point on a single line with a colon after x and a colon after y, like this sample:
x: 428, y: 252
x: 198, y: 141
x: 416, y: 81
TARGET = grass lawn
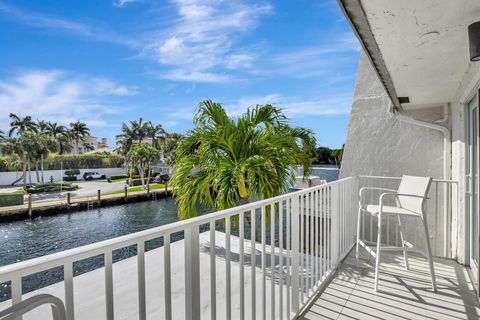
x: 153, y: 186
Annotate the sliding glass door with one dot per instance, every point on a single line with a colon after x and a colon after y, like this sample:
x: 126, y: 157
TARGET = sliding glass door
x: 473, y: 183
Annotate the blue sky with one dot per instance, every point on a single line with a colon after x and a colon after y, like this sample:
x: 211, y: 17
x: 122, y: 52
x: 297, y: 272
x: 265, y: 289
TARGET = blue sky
x: 110, y: 61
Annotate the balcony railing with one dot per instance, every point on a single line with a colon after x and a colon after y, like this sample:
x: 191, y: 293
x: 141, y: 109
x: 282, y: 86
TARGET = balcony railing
x: 266, y: 260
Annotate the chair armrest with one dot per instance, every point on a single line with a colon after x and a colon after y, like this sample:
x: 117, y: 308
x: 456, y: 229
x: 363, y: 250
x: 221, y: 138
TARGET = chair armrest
x: 396, y: 195
x: 361, y: 191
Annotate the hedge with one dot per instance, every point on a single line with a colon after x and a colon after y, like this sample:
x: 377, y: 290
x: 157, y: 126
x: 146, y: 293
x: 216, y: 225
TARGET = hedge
x: 70, y: 161
x: 138, y: 182
x: 118, y: 177
x: 10, y: 199
x: 70, y: 178
x: 50, y: 187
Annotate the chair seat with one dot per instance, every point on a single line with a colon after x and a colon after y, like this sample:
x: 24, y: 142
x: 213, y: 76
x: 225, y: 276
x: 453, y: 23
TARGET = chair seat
x: 374, y: 209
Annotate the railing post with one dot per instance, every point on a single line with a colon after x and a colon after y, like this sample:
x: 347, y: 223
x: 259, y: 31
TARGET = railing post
x: 295, y: 261
x: 192, y: 274
x: 335, y: 223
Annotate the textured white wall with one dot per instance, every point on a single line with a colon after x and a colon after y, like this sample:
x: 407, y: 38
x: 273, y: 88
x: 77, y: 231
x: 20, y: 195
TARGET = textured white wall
x: 379, y: 144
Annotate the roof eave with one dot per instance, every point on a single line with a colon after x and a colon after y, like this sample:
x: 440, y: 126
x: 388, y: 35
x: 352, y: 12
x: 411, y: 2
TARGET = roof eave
x: 353, y: 11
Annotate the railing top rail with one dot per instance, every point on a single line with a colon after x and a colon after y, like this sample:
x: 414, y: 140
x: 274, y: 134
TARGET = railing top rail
x: 59, y: 258
x: 399, y: 178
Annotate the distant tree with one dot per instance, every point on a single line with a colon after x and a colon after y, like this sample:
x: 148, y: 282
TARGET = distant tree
x: 42, y: 145
x: 170, y: 145
x: 141, y: 156
x: 87, y: 146
x: 42, y: 126
x: 54, y: 130
x: 156, y: 133
x: 323, y: 155
x: 125, y: 139
x: 79, y: 130
x: 12, y: 147
x: 140, y: 129
x: 64, y: 141
x: 20, y: 125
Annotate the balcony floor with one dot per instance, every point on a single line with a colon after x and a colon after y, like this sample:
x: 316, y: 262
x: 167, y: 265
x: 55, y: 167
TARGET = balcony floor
x: 402, y: 294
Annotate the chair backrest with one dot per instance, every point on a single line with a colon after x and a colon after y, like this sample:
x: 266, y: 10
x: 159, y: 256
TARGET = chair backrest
x: 417, y: 186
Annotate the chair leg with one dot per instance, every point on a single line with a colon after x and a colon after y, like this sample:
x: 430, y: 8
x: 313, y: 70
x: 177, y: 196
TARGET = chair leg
x: 359, y: 221
x: 377, y: 256
x: 429, y: 255
x: 402, y: 238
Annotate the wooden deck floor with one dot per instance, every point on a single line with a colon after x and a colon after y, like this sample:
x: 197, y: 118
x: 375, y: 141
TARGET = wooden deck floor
x: 402, y: 294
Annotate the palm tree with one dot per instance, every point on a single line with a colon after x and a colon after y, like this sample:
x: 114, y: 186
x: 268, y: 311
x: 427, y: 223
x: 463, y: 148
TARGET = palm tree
x: 141, y: 156
x: 64, y: 141
x: 140, y: 129
x: 12, y: 147
x: 169, y: 146
x: 156, y: 133
x: 87, y: 146
x: 42, y: 126
x: 223, y: 162
x: 20, y: 125
x: 43, y: 145
x: 53, y: 129
x: 79, y: 130
x: 126, y: 138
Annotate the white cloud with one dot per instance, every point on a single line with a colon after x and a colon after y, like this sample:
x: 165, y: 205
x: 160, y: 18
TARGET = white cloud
x: 193, y: 76
x: 312, y: 61
x: 40, y: 20
x: 296, y: 107
x: 202, y: 37
x: 56, y: 95
x: 123, y: 3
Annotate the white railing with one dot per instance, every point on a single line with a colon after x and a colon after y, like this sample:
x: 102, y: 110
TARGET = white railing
x: 301, y: 236
x: 442, y: 194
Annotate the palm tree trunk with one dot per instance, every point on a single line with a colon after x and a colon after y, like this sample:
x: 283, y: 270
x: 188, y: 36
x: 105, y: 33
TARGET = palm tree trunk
x: 76, y: 144
x: 36, y: 171
x: 24, y: 169
x: 148, y: 174
x: 142, y: 175
x: 41, y: 167
x: 29, y: 171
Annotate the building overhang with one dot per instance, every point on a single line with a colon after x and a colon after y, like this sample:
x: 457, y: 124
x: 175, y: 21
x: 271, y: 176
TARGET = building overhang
x: 419, y: 49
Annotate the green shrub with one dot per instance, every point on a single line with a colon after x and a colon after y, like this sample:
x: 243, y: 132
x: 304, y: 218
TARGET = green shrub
x: 138, y: 182
x: 72, y: 172
x: 118, y: 177
x: 50, y: 187
x: 70, y: 178
x: 10, y: 199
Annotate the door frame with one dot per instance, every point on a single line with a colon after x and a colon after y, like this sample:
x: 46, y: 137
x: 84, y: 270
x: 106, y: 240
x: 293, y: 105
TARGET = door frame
x: 469, y: 188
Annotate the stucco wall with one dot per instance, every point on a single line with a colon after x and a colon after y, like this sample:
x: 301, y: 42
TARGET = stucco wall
x: 380, y: 144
